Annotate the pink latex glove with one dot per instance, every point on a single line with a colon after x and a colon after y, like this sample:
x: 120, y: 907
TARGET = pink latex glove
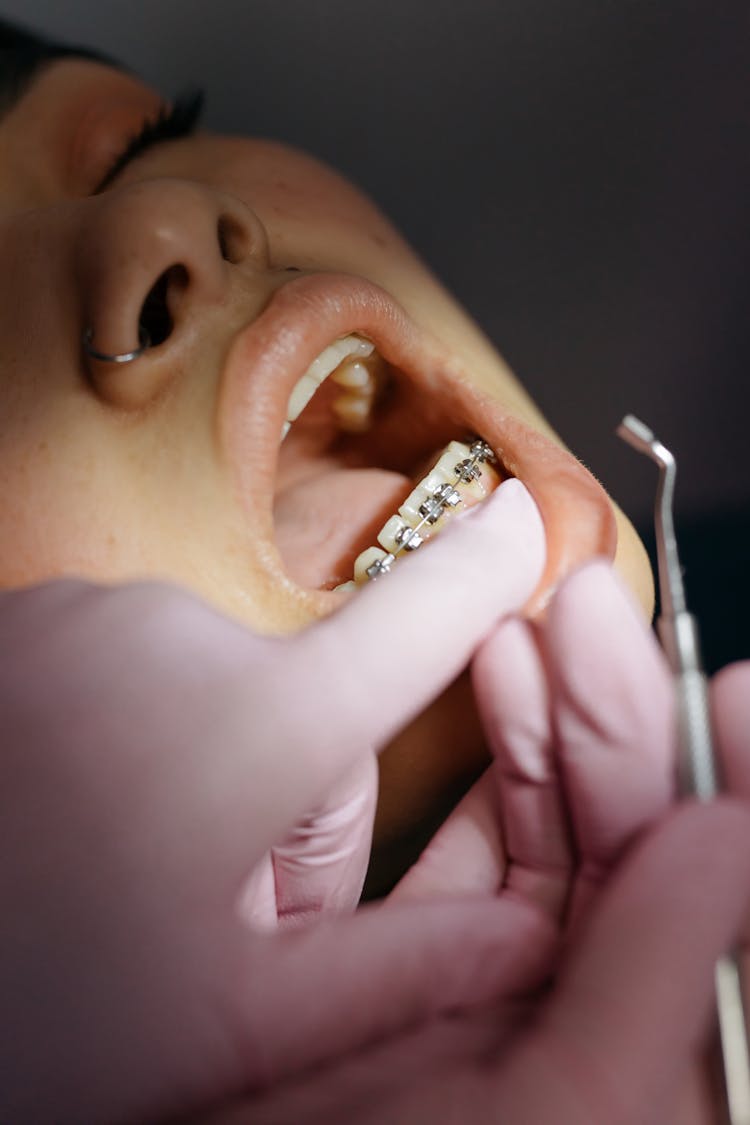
x: 579, y: 715
x: 582, y: 731
x: 155, y: 756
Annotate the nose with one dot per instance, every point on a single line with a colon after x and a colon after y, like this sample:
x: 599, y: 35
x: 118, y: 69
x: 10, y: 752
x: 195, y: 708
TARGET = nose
x: 152, y: 259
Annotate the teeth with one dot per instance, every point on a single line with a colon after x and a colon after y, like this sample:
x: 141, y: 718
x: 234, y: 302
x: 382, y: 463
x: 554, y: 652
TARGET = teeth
x: 326, y: 363
x: 463, y: 475
x: 410, y: 509
x: 398, y: 535
x: 444, y: 473
x: 372, y: 556
x: 353, y: 374
x: 361, y: 383
x: 353, y: 413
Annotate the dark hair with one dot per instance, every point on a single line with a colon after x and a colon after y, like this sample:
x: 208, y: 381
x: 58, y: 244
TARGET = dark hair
x: 24, y: 52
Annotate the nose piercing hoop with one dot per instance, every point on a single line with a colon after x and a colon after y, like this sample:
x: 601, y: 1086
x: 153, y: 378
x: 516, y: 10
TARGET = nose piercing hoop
x: 144, y: 342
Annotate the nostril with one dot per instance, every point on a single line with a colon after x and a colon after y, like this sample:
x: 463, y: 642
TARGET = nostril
x: 232, y: 240
x: 155, y: 318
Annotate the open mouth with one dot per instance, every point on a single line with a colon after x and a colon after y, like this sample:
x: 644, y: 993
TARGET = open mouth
x: 350, y: 450
x: 354, y: 439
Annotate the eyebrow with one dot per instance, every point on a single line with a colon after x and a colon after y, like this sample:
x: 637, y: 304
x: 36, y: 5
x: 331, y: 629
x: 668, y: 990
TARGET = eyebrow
x: 24, y: 56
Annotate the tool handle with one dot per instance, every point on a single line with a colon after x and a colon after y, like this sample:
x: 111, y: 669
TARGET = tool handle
x: 697, y: 769
x: 733, y: 1035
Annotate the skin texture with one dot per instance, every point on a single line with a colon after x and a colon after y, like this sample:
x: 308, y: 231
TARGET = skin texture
x: 132, y: 985
x: 149, y: 470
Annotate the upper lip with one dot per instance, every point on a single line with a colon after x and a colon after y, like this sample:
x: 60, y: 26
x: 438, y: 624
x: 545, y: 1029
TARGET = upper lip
x: 306, y: 314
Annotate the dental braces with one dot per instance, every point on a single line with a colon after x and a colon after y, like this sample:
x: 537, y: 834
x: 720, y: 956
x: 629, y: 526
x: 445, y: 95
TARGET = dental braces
x: 444, y: 497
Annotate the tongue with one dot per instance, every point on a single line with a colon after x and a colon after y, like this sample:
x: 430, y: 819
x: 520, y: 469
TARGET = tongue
x: 323, y: 523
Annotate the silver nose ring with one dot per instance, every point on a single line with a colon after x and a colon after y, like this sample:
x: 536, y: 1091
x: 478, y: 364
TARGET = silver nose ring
x: 144, y: 342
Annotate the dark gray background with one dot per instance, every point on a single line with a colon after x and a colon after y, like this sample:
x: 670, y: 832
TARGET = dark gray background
x: 577, y: 173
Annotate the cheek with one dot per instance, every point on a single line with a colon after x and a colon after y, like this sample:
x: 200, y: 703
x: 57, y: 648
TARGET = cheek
x: 72, y: 496
x: 113, y: 506
x: 308, y: 209
x: 60, y: 512
x: 632, y: 562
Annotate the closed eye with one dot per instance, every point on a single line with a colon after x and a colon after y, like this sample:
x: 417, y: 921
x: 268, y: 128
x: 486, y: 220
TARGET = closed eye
x: 174, y: 120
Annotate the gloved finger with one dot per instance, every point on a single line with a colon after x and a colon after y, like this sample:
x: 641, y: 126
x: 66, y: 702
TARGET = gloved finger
x: 607, y: 764
x: 321, y: 864
x: 467, y: 853
x: 238, y: 735
x: 364, y: 673
x: 256, y: 903
x: 730, y: 712
x: 612, y: 702
x: 617, y: 1036
x: 385, y: 1085
x: 632, y: 1007
x: 512, y: 694
x: 730, y: 699
x: 328, y: 990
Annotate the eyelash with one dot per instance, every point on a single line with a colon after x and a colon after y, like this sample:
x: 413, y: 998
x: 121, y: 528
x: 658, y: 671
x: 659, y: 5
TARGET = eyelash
x: 173, y: 121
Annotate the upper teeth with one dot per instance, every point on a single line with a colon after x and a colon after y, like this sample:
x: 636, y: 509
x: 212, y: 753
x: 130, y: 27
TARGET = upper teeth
x: 343, y: 361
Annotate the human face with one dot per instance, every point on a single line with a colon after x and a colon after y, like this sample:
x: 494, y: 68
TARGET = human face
x: 244, y: 259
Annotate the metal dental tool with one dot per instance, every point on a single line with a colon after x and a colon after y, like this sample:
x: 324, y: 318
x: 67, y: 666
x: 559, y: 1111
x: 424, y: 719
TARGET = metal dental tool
x: 698, y: 773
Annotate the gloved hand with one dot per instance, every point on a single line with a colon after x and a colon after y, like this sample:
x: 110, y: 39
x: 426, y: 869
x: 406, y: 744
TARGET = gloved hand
x: 579, y: 713
x: 155, y: 756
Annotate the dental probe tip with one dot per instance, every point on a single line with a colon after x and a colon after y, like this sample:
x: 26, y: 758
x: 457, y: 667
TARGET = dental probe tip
x: 643, y: 439
x: 635, y: 432
x: 638, y: 435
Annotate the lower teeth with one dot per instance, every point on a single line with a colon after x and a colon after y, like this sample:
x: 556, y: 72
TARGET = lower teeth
x: 462, y: 476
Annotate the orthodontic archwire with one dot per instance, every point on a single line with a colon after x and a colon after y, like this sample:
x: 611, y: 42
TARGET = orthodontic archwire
x: 444, y: 497
x: 697, y: 766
